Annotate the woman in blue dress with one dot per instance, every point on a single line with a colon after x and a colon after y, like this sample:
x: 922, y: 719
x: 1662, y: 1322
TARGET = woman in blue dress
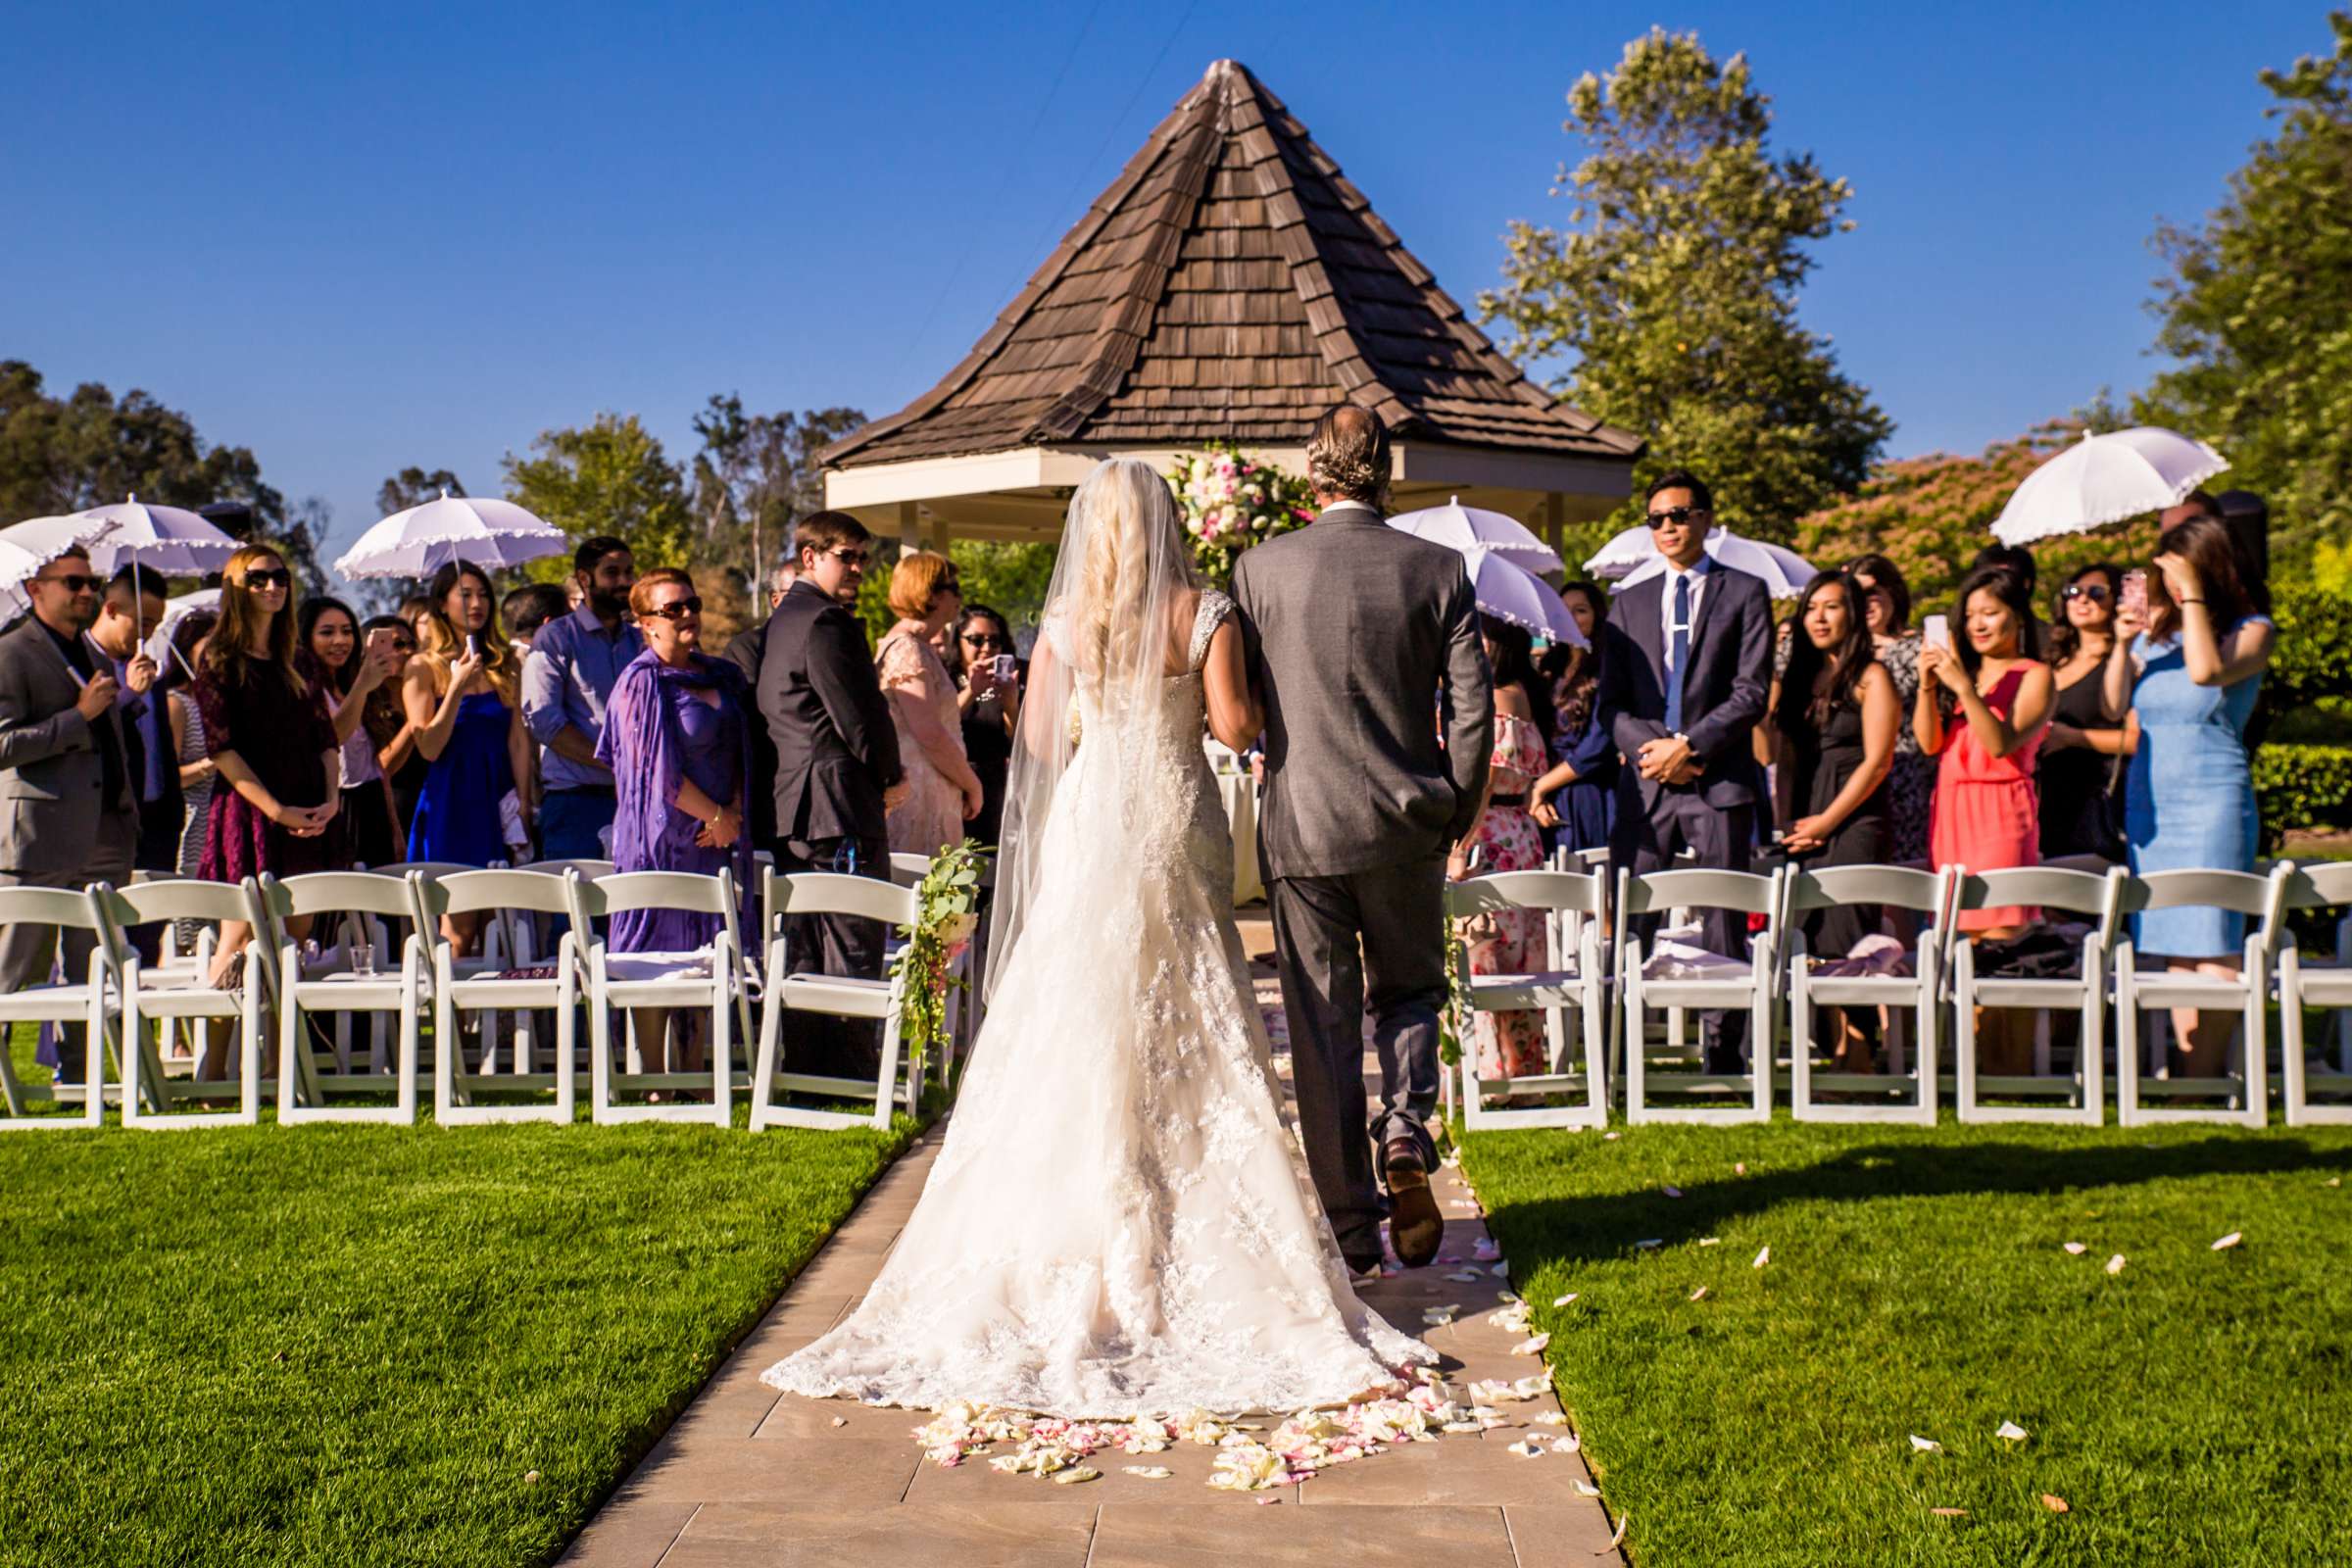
x: 463, y: 694
x: 2188, y: 670
x: 1576, y: 800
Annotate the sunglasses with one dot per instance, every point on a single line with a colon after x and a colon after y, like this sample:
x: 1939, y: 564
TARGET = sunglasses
x: 850, y: 558
x: 1678, y: 515
x: 2093, y: 592
x: 680, y: 608
x: 267, y: 578
x: 74, y: 582
x: 986, y: 639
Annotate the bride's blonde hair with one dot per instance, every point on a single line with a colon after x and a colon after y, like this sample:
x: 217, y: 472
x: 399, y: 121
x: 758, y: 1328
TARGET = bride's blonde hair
x: 1133, y: 548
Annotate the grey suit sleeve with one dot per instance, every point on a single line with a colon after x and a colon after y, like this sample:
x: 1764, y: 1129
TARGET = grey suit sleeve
x: 25, y: 739
x: 1732, y: 720
x: 1612, y: 696
x: 1469, y: 705
x: 841, y: 672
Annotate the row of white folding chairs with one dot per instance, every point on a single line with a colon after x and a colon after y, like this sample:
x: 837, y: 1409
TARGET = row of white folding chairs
x: 280, y: 980
x: 1944, y: 972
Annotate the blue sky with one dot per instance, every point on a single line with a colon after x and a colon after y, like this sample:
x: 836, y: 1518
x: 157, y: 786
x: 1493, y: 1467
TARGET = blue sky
x: 357, y: 238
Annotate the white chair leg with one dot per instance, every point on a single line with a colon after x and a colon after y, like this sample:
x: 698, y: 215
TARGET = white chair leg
x: 2290, y: 1034
x: 2126, y: 1038
x: 886, y: 1081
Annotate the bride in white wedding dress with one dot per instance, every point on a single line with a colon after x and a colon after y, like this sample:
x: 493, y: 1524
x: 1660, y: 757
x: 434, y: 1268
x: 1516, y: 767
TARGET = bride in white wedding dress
x: 1119, y: 1222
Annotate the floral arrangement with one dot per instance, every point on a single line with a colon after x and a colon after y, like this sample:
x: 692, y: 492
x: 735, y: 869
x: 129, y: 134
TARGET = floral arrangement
x: 1231, y: 501
x: 949, y: 901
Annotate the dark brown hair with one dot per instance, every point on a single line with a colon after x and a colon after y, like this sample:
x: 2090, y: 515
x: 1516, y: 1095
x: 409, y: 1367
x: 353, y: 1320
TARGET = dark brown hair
x: 2064, y: 639
x: 2205, y: 544
x: 821, y: 531
x: 1887, y: 577
x: 1818, y: 682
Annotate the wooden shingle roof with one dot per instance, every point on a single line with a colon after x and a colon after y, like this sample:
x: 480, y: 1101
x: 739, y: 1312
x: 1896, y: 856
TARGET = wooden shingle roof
x: 1230, y: 283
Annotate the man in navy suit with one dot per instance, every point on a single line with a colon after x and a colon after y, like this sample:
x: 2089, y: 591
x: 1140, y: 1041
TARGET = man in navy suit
x: 1685, y: 712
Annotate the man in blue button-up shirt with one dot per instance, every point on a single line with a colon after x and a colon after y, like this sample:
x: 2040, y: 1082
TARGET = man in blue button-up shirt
x: 566, y: 681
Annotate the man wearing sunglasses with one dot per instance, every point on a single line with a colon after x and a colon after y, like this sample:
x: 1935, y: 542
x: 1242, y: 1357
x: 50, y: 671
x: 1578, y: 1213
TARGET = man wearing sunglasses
x: 69, y: 805
x: 1684, y: 714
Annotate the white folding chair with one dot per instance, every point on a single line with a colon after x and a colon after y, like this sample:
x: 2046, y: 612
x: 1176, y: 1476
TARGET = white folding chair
x: 83, y: 1001
x: 474, y: 987
x: 2325, y: 986
x: 1579, y: 984
x: 715, y: 977
x: 835, y: 996
x: 1687, y: 979
x: 2263, y: 901
x: 2083, y: 995
x: 334, y: 989
x: 1921, y: 991
x: 148, y: 1095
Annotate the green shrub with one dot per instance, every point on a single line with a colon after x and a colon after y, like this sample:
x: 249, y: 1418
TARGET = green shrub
x: 2313, y: 658
x: 2303, y: 789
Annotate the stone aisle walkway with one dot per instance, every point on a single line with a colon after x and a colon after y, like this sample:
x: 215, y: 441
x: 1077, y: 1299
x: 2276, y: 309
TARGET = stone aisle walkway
x: 748, y: 1476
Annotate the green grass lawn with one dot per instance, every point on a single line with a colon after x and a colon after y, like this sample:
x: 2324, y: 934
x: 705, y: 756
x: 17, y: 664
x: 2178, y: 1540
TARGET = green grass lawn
x: 2192, y: 1409
x: 356, y: 1345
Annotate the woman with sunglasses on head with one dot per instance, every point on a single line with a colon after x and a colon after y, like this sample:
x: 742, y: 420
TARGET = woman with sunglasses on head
x: 944, y: 793
x: 988, y: 697
x: 328, y: 635
x: 273, y: 804
x: 677, y: 738
x: 463, y: 694
x: 2081, y: 813
x: 1911, y: 782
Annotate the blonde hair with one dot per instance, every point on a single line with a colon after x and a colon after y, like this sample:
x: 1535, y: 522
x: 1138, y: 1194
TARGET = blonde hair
x: 916, y: 580
x: 226, y: 658
x: 1131, y: 515
x: 439, y: 642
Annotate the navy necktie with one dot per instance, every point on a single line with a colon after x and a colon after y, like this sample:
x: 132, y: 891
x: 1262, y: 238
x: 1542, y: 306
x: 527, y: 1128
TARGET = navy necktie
x: 1680, y: 656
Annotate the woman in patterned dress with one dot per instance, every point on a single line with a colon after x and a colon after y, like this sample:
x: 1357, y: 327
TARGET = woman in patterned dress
x: 1911, y: 786
x: 1509, y: 1045
x: 943, y: 790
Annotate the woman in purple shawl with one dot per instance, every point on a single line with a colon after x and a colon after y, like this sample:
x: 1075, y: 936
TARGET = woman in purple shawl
x: 677, y: 738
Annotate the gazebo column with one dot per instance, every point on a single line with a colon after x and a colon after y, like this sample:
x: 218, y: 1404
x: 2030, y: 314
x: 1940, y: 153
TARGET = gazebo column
x: 910, y: 526
x: 1556, y: 519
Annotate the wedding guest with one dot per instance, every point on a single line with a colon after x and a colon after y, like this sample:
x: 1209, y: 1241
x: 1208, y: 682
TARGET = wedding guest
x: 128, y: 617
x: 1911, y: 782
x: 2190, y: 673
x: 2081, y: 812
x: 197, y: 770
x: 386, y: 718
x: 1980, y: 709
x: 675, y: 739
x: 527, y: 609
x: 780, y: 581
x: 328, y: 635
x: 837, y: 767
x: 1576, y: 799
x: 1684, y: 706
x: 463, y: 694
x: 566, y: 682
x: 990, y: 702
x: 74, y: 808
x: 2018, y: 563
x: 414, y: 609
x: 1508, y: 1045
x: 944, y: 793
x: 1832, y: 730
x: 274, y: 804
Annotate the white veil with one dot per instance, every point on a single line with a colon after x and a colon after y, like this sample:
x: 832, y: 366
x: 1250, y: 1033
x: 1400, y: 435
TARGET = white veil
x: 1117, y: 623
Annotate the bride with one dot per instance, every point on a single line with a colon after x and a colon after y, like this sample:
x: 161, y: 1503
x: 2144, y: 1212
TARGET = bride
x: 1119, y: 1222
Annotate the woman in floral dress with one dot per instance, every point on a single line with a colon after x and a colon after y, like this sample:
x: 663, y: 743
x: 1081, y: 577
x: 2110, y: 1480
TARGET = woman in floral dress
x: 943, y: 790
x: 1509, y: 1045
x: 1911, y: 786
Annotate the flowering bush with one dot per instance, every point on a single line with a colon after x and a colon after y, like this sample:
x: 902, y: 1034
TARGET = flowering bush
x: 1231, y: 501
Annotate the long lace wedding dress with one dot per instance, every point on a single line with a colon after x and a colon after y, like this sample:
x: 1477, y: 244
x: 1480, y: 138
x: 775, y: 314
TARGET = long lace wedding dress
x: 1120, y: 1221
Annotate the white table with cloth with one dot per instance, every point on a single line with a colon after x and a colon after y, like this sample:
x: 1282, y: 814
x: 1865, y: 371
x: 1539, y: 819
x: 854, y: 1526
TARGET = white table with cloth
x: 1237, y: 787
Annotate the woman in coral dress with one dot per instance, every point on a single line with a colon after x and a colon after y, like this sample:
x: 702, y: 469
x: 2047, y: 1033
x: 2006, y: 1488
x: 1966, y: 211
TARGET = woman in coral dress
x: 943, y: 790
x: 1509, y: 1045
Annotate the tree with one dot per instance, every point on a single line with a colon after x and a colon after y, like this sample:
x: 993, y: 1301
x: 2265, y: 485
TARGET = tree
x: 2257, y: 308
x: 755, y: 475
x: 411, y: 486
x: 1675, y: 288
x: 608, y: 477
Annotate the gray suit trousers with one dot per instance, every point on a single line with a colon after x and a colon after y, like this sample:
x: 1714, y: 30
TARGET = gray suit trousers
x: 27, y: 950
x: 1371, y: 941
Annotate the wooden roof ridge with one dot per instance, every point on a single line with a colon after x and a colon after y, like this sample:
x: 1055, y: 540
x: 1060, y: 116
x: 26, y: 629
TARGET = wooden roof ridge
x: 1367, y: 320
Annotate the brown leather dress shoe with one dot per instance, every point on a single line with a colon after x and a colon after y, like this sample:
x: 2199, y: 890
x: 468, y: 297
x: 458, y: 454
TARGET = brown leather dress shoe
x: 1416, y: 1230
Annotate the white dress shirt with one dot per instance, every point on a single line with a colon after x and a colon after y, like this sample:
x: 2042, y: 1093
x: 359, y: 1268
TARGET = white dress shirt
x: 1699, y: 570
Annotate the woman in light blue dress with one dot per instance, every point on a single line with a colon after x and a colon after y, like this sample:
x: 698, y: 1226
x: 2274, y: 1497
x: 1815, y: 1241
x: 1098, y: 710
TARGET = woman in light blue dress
x: 2189, y: 671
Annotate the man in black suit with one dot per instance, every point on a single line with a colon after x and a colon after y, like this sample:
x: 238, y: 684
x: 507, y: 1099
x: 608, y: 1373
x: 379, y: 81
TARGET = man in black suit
x: 1684, y: 713
x: 837, y: 772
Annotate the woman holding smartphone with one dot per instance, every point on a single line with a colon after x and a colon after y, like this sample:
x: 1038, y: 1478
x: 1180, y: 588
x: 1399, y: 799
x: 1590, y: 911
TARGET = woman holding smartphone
x: 988, y: 696
x: 2188, y: 664
x: 463, y: 692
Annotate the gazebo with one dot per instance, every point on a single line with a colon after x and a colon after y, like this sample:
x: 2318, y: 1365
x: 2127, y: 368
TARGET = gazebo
x: 1231, y: 283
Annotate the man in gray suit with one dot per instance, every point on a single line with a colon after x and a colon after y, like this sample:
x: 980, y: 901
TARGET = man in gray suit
x: 68, y: 806
x: 1360, y: 637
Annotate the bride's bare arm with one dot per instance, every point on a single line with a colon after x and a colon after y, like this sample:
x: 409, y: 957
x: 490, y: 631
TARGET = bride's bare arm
x: 1234, y: 715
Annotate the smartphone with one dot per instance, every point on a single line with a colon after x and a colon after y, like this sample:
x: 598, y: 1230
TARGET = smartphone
x: 2134, y: 600
x: 474, y: 646
x: 1008, y: 669
x: 1935, y: 631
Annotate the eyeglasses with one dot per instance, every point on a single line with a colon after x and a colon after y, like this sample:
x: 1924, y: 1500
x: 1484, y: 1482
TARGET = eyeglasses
x: 74, y: 582
x: 986, y: 639
x: 680, y: 608
x: 2091, y: 591
x: 267, y: 578
x: 1678, y: 515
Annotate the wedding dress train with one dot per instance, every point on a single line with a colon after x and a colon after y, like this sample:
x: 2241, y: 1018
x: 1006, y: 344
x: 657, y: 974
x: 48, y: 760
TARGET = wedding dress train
x: 1120, y: 1221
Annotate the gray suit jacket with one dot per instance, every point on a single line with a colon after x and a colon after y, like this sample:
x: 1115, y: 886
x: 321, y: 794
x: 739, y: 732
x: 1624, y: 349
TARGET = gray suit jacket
x: 50, y: 772
x: 1360, y: 636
